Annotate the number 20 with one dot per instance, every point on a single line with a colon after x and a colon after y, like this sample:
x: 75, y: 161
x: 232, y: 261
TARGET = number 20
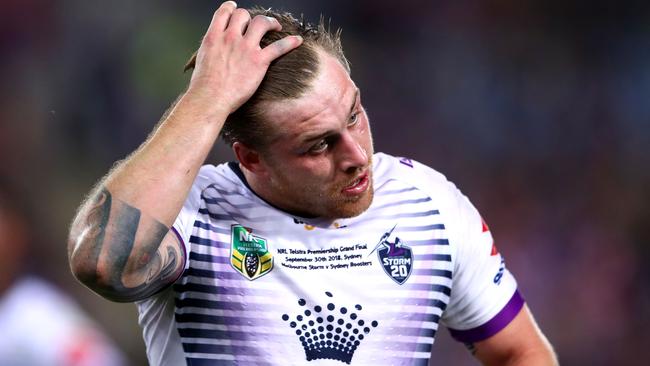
x: 398, y: 271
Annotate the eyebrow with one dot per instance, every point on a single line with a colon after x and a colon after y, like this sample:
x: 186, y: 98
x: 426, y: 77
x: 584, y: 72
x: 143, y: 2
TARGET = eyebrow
x: 329, y: 132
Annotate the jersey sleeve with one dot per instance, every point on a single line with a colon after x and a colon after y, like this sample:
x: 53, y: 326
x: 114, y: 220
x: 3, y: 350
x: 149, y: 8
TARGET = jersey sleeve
x: 484, y: 297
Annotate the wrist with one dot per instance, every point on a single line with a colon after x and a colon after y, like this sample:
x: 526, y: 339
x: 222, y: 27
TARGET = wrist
x: 199, y: 108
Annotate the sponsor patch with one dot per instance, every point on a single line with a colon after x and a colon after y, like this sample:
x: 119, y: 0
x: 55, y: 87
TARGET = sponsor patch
x: 249, y: 253
x: 329, y: 332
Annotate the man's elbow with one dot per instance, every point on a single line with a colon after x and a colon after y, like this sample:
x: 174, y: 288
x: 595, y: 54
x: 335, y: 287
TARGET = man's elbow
x: 88, y: 273
x: 94, y: 272
x: 118, y: 272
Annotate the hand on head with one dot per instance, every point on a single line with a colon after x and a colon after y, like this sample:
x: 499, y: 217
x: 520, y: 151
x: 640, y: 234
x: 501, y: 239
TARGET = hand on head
x: 230, y: 63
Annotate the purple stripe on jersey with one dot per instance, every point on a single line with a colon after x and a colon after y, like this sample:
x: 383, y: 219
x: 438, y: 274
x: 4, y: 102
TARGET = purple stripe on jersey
x: 429, y: 242
x: 185, y: 259
x: 404, y: 202
x: 213, y: 187
x: 494, y: 325
x: 207, y: 226
x: 208, y: 258
x: 395, y: 191
x: 423, y: 228
x: 208, y: 242
x: 216, y: 201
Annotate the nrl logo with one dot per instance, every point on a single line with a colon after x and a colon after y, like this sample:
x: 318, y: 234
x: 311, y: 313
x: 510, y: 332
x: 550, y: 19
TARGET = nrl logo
x: 396, y: 258
x: 249, y: 254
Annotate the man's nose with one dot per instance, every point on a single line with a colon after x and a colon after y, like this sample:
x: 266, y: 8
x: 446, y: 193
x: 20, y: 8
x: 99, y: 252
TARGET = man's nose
x: 352, y: 155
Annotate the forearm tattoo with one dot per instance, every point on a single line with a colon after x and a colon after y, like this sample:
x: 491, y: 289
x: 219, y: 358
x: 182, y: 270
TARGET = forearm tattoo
x: 126, y: 255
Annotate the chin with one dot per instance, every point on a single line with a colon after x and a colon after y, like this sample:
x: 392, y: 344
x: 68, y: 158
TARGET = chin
x: 344, y: 210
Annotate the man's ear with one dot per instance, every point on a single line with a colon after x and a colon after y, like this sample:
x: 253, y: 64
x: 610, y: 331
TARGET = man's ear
x: 248, y: 158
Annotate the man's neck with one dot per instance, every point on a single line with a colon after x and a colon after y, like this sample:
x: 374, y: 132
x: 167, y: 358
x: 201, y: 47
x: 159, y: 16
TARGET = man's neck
x: 260, y: 189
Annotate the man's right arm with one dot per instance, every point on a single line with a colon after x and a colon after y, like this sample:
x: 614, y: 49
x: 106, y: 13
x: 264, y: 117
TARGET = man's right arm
x: 120, y: 244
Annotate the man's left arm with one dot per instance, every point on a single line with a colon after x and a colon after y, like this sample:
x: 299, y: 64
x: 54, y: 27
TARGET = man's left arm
x: 520, y: 343
x: 486, y: 311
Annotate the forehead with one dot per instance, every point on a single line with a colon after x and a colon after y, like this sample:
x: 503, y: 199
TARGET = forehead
x: 327, y: 102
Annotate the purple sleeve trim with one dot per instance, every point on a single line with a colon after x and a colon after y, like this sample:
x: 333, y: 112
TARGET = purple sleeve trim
x: 494, y: 325
x: 185, y: 259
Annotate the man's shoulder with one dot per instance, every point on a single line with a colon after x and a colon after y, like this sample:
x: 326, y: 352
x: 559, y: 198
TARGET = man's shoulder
x: 400, y: 173
x: 210, y: 172
x: 408, y: 171
x: 221, y: 174
x: 215, y: 179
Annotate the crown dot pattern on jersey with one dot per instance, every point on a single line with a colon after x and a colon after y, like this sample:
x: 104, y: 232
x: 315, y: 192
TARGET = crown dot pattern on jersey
x: 325, y: 338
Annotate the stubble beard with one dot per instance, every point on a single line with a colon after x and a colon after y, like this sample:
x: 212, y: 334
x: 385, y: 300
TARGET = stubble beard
x: 345, y: 207
x: 313, y: 201
x: 333, y: 204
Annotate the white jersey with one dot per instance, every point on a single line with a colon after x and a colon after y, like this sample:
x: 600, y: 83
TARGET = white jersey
x: 263, y: 287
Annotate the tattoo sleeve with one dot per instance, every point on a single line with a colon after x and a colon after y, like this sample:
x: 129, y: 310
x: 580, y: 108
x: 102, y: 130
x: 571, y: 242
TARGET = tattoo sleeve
x: 122, y: 254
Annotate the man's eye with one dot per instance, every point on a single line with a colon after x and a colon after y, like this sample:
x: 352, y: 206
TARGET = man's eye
x: 319, y: 147
x: 354, y: 118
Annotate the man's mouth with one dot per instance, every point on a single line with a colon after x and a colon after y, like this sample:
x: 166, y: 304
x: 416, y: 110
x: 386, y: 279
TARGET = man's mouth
x: 358, y: 186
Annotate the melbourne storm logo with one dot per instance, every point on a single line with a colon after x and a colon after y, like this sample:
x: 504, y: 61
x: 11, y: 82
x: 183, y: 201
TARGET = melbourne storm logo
x: 396, y: 258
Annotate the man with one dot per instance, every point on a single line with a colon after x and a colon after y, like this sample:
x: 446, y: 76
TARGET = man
x: 311, y: 247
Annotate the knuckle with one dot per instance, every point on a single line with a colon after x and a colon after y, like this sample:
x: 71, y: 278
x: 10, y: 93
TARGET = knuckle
x: 226, y: 7
x: 223, y: 9
x: 231, y: 36
x: 259, y: 19
x: 239, y: 12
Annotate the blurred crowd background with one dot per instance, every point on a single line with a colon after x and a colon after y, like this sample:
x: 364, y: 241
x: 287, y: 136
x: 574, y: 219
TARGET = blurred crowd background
x: 538, y: 110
